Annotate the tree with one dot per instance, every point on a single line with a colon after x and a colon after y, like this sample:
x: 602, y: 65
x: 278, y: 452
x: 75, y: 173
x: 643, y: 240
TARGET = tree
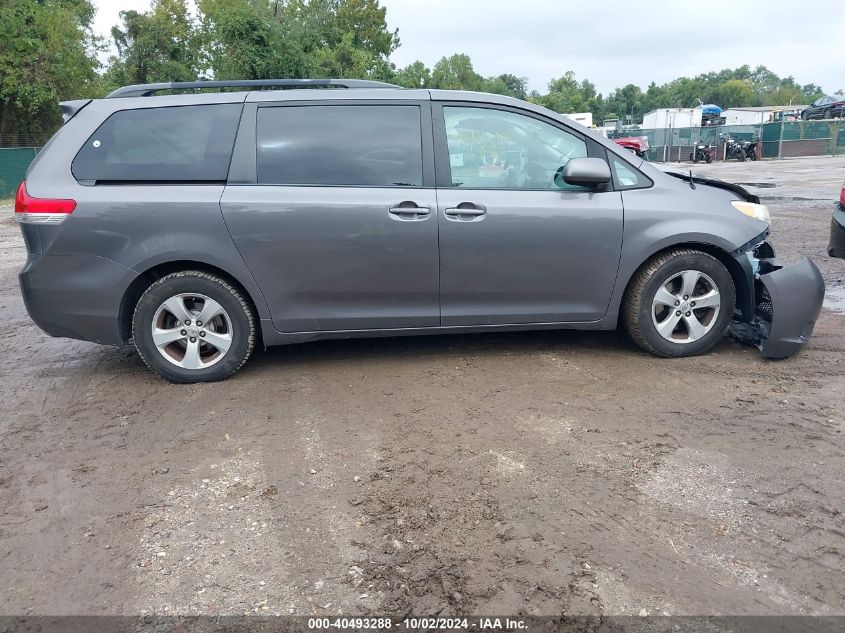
x: 456, y: 73
x: 415, y: 75
x: 508, y: 84
x: 567, y: 95
x: 627, y: 100
x: 156, y: 45
x: 47, y: 55
x: 736, y: 92
x: 347, y: 38
x: 243, y: 39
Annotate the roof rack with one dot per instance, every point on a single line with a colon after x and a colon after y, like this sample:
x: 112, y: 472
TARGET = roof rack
x: 147, y: 90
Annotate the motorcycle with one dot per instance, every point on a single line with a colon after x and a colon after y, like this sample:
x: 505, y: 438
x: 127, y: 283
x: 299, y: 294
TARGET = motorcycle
x: 734, y: 149
x: 703, y: 152
x: 750, y: 149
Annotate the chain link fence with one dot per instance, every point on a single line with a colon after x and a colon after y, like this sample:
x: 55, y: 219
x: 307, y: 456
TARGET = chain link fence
x: 774, y: 140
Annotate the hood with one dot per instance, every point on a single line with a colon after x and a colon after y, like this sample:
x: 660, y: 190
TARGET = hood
x: 742, y: 192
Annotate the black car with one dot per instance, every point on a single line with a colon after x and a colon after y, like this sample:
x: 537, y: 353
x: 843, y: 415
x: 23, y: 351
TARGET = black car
x: 825, y: 108
x: 836, y: 248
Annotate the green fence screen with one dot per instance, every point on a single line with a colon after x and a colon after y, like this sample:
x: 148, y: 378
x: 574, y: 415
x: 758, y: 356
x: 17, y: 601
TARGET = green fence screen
x: 13, y: 164
x: 776, y: 140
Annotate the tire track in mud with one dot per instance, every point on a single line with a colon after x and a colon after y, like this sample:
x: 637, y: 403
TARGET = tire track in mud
x: 459, y: 547
x: 238, y: 536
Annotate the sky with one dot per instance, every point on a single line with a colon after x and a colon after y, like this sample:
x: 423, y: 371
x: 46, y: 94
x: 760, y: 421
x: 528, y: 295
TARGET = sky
x: 611, y: 43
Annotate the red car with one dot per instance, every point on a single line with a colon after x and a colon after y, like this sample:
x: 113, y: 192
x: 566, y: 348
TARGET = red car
x: 637, y: 144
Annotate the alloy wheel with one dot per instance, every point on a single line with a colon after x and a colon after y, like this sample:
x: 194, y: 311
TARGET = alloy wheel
x: 192, y: 331
x: 686, y: 306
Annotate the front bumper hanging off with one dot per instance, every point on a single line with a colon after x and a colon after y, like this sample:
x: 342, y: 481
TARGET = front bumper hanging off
x: 787, y: 301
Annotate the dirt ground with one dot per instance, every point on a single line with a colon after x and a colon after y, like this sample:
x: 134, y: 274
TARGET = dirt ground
x: 533, y: 473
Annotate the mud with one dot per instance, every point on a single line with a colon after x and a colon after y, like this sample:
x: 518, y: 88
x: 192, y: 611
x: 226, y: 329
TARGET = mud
x: 533, y: 473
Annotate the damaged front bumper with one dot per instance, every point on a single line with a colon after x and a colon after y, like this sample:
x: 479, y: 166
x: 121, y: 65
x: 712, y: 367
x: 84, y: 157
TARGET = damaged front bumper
x: 787, y: 301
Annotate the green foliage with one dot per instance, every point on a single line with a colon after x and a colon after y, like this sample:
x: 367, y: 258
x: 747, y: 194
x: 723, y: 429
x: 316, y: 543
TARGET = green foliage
x: 727, y: 88
x: 47, y: 55
x: 243, y: 39
x: 157, y: 45
x: 456, y: 73
x: 340, y: 38
x: 416, y: 75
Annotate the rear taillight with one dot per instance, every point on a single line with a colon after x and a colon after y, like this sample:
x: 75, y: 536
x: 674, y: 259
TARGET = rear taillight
x: 31, y: 210
x: 842, y: 196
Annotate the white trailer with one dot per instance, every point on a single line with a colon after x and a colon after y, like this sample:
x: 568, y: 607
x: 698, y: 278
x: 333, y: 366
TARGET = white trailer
x: 758, y: 115
x: 584, y: 118
x: 672, y: 118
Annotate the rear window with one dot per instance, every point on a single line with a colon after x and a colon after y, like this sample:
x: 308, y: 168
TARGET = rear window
x: 376, y: 146
x: 173, y: 144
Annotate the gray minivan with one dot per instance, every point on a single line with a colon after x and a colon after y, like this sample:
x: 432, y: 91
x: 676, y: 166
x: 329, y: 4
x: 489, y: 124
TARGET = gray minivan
x: 196, y: 225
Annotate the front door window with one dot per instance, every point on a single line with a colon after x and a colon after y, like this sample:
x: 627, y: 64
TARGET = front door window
x: 497, y: 149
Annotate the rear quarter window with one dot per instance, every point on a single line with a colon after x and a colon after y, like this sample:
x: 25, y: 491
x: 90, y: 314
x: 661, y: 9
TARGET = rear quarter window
x: 170, y: 144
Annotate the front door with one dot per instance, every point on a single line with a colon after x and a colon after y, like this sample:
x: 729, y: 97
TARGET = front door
x: 515, y: 245
x: 340, y: 229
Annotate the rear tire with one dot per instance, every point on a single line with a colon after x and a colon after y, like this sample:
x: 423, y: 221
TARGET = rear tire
x: 651, y: 316
x: 175, y: 343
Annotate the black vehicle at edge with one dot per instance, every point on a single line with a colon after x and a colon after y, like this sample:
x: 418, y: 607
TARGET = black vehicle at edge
x: 836, y: 248
x: 825, y: 108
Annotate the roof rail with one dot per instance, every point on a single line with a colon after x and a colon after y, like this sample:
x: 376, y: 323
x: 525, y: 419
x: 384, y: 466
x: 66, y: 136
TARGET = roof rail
x: 146, y: 90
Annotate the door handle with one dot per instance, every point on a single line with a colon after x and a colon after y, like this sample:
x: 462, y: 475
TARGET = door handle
x: 409, y: 210
x: 466, y: 211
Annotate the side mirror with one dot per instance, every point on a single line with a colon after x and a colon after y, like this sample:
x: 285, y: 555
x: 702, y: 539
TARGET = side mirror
x: 587, y: 172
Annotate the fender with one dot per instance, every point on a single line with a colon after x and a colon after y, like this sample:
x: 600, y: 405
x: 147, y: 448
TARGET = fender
x: 204, y: 259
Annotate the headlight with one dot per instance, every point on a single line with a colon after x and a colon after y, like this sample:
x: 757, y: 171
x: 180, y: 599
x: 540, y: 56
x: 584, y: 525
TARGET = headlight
x: 756, y: 211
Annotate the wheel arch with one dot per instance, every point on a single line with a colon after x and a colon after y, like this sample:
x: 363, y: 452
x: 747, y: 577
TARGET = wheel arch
x: 152, y: 274
x: 743, y: 288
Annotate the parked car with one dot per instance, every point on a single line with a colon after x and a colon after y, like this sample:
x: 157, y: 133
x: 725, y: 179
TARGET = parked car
x: 825, y: 108
x: 636, y: 144
x: 197, y: 226
x: 836, y: 247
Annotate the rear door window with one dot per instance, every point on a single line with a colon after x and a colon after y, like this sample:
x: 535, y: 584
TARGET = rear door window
x: 171, y: 144
x: 351, y: 145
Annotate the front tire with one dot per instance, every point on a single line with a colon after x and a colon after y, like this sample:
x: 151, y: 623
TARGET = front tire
x: 192, y: 326
x: 680, y: 303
